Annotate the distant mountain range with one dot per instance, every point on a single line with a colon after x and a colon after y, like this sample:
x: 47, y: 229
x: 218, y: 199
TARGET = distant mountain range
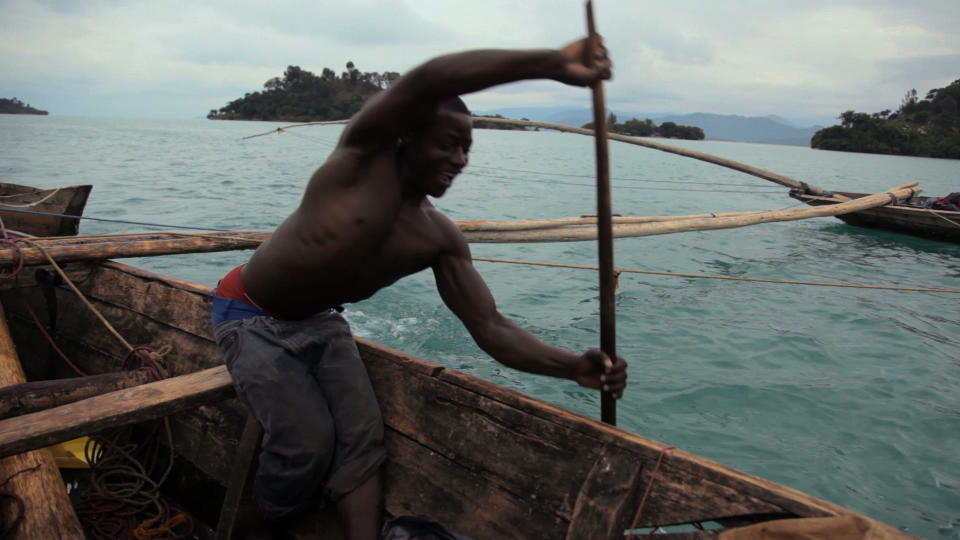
x: 718, y: 127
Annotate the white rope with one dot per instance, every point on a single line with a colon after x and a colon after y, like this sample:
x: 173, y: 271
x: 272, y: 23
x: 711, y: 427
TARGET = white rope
x: 35, y: 203
x: 945, y: 218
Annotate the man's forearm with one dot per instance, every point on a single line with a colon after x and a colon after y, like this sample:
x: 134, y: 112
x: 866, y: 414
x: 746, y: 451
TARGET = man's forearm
x: 514, y: 347
x: 471, y: 71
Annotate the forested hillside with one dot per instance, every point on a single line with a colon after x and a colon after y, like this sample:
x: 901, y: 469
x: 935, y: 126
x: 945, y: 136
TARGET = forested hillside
x: 928, y: 127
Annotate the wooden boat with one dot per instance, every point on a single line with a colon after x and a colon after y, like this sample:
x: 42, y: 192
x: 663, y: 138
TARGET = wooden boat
x: 16, y: 201
x: 484, y: 460
x: 914, y: 220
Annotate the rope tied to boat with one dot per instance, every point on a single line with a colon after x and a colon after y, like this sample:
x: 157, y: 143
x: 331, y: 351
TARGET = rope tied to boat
x: 124, y: 498
x: 53, y: 344
x: 34, y: 203
x: 646, y: 492
x: 948, y: 220
x: 149, y: 359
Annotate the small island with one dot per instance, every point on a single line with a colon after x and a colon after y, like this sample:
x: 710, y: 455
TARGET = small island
x: 15, y: 106
x: 928, y: 127
x: 647, y: 128
x: 302, y: 96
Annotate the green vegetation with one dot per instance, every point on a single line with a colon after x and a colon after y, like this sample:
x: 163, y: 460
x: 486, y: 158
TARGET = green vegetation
x: 301, y: 96
x: 929, y: 127
x: 15, y: 106
x: 646, y: 128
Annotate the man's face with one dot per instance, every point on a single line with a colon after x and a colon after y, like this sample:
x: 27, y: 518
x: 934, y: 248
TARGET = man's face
x: 438, y: 153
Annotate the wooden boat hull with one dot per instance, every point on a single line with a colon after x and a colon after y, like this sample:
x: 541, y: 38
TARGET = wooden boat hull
x: 926, y: 223
x: 486, y: 461
x: 69, y: 200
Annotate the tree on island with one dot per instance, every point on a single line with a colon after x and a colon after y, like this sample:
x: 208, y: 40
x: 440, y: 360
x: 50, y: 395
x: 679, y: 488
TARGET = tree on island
x: 647, y: 128
x: 15, y: 106
x: 301, y: 96
x: 928, y: 127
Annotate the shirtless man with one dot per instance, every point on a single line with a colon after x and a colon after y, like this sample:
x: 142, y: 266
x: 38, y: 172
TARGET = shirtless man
x: 363, y: 223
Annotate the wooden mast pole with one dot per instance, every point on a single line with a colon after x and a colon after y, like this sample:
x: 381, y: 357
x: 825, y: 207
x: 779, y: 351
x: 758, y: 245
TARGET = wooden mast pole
x: 608, y: 314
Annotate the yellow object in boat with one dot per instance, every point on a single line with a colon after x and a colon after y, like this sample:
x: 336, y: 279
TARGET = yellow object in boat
x: 69, y: 454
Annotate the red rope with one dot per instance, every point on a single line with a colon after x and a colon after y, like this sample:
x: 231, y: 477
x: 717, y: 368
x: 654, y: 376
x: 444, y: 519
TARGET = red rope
x: 36, y: 321
x: 646, y: 493
x: 148, y: 359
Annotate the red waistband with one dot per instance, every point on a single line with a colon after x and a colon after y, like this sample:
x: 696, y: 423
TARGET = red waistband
x: 231, y: 286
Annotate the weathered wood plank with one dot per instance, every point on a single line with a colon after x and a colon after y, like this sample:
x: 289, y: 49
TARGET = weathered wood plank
x: 244, y: 462
x: 118, y: 408
x: 161, y: 299
x: 135, y: 246
x: 420, y: 481
x: 77, y: 272
x: 486, y: 436
x: 605, y: 504
x: 30, y: 397
x: 207, y: 435
x: 32, y: 476
x: 689, y: 488
x: 699, y: 474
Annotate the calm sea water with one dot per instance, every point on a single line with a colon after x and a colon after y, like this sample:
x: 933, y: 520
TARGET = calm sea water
x: 848, y: 394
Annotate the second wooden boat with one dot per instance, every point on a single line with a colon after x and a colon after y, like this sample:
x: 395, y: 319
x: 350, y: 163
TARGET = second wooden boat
x: 27, y: 209
x: 908, y: 217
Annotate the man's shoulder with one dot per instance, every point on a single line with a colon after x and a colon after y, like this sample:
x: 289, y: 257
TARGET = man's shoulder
x: 453, y: 240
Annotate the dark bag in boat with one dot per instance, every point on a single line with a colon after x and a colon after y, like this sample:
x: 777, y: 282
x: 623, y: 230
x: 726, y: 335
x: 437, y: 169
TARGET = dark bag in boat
x: 949, y: 202
x: 417, y: 528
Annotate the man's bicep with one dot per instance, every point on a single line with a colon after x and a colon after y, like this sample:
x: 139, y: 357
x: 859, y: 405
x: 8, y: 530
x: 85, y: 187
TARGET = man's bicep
x: 464, y: 291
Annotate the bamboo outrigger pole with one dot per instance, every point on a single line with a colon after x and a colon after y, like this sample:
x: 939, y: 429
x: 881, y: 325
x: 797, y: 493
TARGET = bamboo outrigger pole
x: 608, y: 313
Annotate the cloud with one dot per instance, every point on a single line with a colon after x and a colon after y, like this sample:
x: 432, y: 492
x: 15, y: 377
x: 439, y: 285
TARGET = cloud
x: 745, y: 56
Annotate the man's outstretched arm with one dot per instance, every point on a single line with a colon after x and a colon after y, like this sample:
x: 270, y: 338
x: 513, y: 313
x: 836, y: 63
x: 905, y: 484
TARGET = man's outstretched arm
x: 469, y: 298
x: 396, y: 110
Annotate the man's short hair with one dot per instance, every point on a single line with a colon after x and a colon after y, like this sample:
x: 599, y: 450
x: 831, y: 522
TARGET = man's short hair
x: 454, y: 104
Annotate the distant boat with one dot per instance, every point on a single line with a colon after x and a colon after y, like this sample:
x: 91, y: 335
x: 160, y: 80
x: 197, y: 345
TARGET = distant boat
x: 18, y: 205
x: 915, y: 220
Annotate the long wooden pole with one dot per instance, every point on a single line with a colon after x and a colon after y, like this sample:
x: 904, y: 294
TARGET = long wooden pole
x: 28, y: 397
x: 118, y: 408
x: 608, y: 310
x: 89, y: 248
x: 32, y: 476
x: 645, y: 142
x: 634, y: 230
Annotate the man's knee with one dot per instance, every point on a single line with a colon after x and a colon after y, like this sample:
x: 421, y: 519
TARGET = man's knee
x: 292, y: 468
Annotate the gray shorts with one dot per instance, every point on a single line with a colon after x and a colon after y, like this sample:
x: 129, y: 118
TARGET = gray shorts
x: 306, y: 385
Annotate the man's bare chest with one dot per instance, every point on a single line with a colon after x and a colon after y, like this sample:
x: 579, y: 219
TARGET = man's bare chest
x: 411, y: 245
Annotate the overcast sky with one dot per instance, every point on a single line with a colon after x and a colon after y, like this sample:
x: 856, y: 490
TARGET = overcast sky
x: 166, y: 59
